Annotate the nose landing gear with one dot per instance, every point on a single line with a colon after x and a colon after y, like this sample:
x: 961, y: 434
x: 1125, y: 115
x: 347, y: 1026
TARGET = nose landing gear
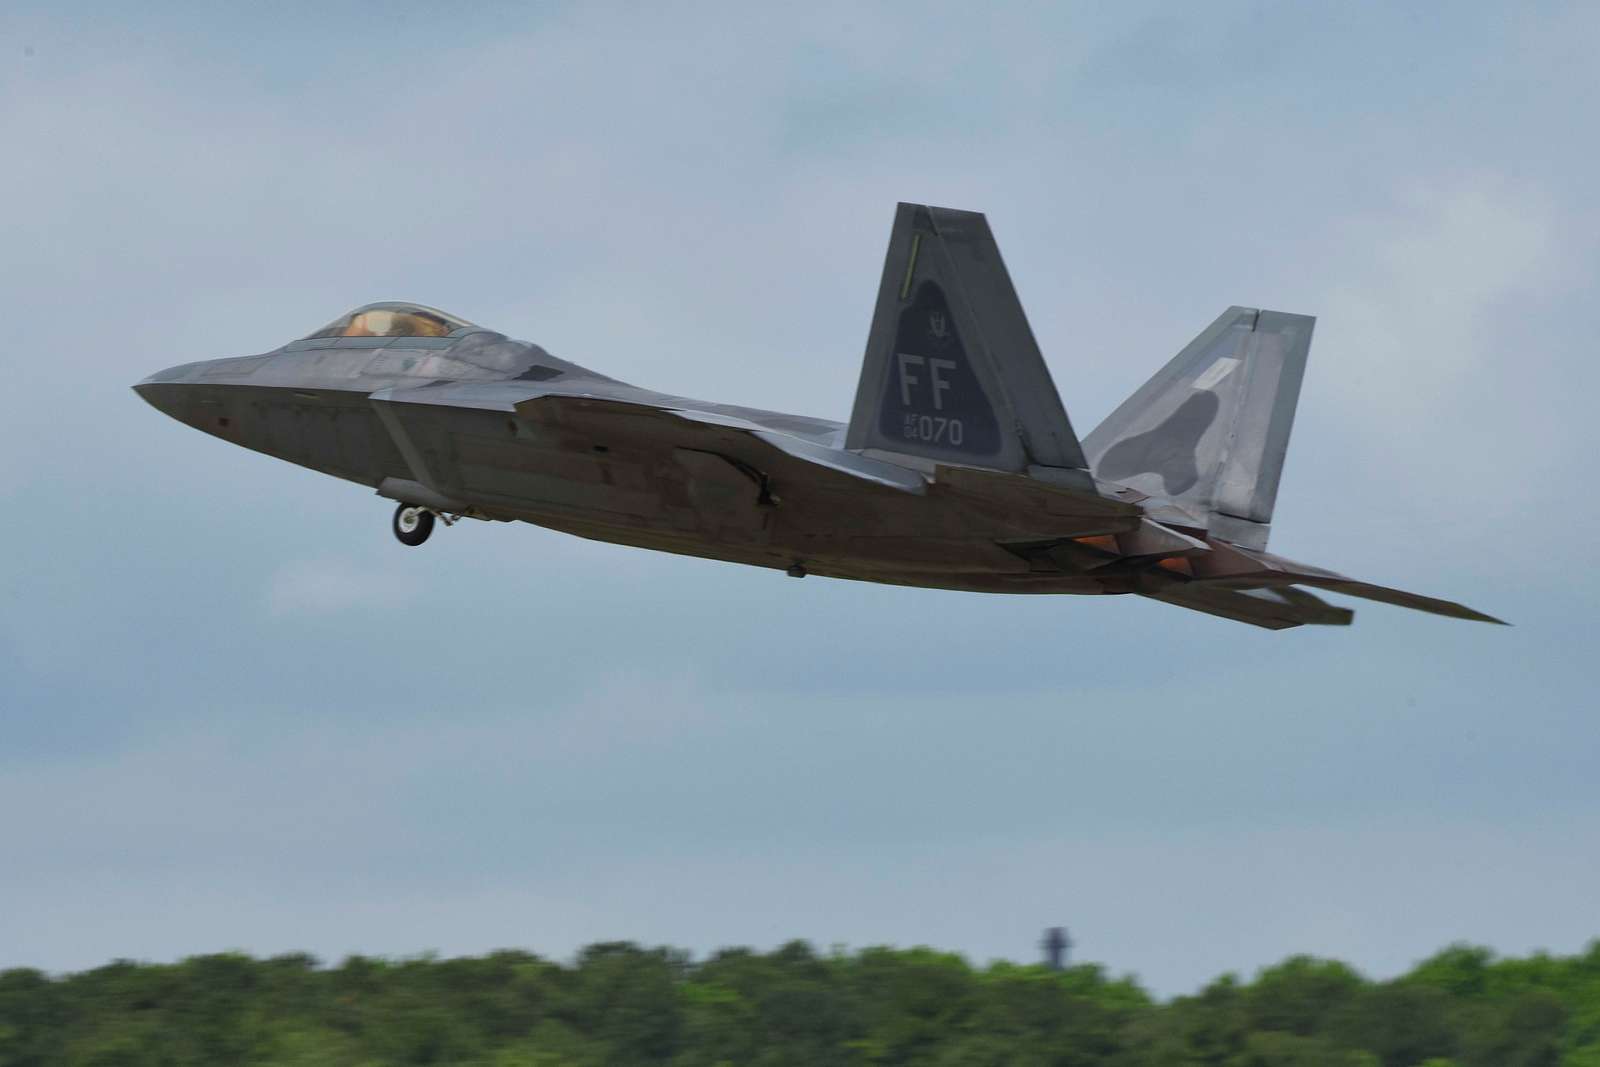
x: 412, y: 524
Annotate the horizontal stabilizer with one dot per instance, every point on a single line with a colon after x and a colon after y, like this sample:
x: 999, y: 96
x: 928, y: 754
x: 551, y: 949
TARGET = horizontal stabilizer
x: 1229, y: 568
x: 1400, y: 598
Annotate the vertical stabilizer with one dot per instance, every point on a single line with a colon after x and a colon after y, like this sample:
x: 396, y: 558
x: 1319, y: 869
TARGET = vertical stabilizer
x: 952, y: 372
x: 1210, y: 430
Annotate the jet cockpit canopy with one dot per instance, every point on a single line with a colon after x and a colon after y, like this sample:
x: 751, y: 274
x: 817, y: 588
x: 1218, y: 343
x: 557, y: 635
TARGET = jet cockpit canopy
x: 394, y: 319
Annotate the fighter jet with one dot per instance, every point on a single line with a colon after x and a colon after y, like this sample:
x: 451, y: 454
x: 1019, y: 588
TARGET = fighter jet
x: 958, y: 469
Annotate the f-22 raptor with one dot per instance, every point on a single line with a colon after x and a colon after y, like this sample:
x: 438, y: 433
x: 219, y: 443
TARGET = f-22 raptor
x: 958, y: 469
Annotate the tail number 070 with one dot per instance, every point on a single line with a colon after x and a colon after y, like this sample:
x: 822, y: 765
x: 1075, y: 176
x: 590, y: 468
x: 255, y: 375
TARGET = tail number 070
x: 934, y: 429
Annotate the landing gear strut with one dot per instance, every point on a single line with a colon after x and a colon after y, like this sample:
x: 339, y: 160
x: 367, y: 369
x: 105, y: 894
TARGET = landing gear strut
x: 412, y: 524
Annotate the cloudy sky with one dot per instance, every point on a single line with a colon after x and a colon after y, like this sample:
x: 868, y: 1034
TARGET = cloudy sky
x: 235, y: 714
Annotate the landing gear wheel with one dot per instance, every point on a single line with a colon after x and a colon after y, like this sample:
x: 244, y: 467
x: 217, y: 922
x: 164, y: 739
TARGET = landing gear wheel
x: 412, y: 524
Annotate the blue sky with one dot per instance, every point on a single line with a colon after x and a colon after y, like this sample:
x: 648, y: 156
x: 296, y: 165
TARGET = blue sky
x: 234, y: 713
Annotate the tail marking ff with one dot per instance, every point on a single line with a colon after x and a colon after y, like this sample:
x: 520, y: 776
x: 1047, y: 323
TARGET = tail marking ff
x: 952, y: 372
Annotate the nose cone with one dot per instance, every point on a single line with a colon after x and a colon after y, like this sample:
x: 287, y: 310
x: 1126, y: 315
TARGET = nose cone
x: 166, y: 391
x: 164, y: 397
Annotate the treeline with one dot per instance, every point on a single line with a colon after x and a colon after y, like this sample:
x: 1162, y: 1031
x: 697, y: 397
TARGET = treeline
x: 619, y: 1004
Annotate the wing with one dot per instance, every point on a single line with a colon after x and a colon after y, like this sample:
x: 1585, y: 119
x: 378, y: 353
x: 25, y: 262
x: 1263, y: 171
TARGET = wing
x: 769, y: 454
x: 731, y: 435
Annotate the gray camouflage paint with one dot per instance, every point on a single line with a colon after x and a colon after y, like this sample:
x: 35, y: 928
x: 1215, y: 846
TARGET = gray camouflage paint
x: 959, y: 468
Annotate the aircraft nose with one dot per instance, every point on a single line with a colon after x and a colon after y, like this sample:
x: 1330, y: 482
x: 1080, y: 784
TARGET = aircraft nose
x: 160, y: 396
x: 165, y: 389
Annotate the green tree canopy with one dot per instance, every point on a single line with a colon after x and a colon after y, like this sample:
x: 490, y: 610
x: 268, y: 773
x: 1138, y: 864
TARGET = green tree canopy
x: 620, y: 1004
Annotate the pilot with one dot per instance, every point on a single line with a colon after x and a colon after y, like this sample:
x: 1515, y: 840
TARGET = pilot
x: 423, y: 324
x: 381, y: 323
x: 361, y: 326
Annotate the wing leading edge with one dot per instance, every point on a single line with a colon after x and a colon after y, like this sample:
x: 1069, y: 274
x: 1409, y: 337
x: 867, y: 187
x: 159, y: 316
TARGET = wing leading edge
x: 556, y: 408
